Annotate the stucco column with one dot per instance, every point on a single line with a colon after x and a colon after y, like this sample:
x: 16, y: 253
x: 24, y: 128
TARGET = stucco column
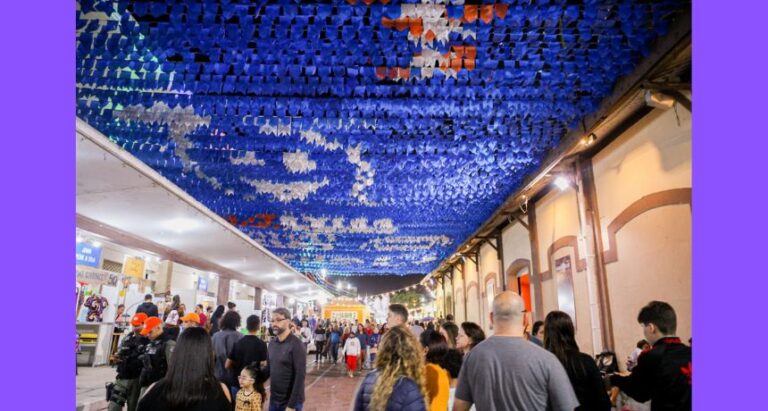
x: 222, y: 294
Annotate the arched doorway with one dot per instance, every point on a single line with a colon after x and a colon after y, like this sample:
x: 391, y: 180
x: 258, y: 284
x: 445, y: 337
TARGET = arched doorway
x: 519, y: 280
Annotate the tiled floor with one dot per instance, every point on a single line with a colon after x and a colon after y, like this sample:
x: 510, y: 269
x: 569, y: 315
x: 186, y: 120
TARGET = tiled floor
x: 327, y: 387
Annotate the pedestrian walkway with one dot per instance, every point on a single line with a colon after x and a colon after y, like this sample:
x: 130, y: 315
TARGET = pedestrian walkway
x: 89, y: 385
x: 326, y: 388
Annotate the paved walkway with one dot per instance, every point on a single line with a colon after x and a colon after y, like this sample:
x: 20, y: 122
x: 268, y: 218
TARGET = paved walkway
x: 326, y: 388
x: 90, y: 389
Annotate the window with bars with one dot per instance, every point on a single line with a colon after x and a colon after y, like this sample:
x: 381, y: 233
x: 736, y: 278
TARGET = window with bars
x: 112, y: 266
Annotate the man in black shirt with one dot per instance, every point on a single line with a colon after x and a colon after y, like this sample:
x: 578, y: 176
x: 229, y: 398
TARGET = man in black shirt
x: 147, y: 307
x: 247, y: 350
x: 286, y: 366
x: 663, y: 374
x: 157, y: 354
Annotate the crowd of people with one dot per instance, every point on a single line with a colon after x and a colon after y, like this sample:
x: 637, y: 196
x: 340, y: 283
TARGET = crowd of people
x: 210, y: 365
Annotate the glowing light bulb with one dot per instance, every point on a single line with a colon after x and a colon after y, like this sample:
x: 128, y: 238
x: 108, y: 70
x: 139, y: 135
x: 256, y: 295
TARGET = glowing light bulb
x: 562, y: 183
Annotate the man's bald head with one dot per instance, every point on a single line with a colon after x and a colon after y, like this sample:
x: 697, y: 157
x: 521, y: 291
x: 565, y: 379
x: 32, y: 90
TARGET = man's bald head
x: 508, y: 308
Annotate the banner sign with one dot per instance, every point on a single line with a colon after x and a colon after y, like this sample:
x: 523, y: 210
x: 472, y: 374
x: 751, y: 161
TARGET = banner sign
x: 92, y: 276
x: 202, y: 283
x: 87, y: 254
x: 133, y: 267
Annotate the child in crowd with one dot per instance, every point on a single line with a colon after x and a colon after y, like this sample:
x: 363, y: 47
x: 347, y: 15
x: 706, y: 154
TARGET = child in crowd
x: 642, y: 346
x: 352, y: 351
x: 252, y: 394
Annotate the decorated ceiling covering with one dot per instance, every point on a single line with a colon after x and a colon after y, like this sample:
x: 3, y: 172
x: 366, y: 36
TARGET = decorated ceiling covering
x: 362, y: 137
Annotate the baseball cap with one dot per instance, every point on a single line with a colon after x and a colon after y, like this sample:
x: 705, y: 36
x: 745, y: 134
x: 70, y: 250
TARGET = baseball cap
x: 149, y: 324
x: 138, y: 319
x: 193, y: 317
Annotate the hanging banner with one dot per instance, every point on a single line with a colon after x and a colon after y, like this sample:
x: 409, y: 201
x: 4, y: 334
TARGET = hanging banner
x: 86, y: 254
x: 95, y: 277
x: 202, y: 284
x: 565, y: 295
x: 133, y: 267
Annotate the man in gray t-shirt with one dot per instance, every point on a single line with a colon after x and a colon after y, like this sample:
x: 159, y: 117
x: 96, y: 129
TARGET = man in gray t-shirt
x: 505, y: 372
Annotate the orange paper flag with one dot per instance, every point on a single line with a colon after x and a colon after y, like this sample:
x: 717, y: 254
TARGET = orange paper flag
x: 501, y: 10
x: 470, y: 52
x: 486, y: 13
x: 417, y: 26
x: 401, y: 24
x: 470, y: 12
x: 456, y: 64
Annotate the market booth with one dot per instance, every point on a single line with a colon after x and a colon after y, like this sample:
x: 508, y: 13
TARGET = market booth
x: 345, y: 309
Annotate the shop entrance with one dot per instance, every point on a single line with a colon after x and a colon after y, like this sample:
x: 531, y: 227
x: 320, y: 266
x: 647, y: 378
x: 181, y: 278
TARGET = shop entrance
x: 524, y: 285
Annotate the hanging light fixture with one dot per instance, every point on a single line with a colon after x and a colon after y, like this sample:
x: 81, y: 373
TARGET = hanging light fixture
x: 562, y: 183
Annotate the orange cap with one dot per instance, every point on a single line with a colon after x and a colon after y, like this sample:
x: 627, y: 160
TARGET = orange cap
x: 138, y: 319
x: 149, y: 324
x: 193, y: 317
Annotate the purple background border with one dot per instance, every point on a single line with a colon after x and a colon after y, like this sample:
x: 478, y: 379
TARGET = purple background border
x: 729, y: 222
x: 38, y: 174
x: 38, y: 204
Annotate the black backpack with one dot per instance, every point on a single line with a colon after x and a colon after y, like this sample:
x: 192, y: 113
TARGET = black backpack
x: 607, y: 363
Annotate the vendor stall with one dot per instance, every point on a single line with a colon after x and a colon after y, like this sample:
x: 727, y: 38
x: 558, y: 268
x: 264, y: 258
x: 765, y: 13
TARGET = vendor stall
x: 345, y: 309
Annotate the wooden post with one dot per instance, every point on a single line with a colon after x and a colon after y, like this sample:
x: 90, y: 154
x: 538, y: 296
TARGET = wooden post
x: 535, y: 264
x: 594, y: 249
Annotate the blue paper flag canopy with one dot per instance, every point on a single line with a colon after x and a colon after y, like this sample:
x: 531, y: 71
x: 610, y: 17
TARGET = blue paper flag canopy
x: 363, y: 137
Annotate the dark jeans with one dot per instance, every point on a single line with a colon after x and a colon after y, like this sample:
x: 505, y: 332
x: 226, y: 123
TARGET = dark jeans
x: 276, y: 406
x: 319, y: 350
x: 335, y: 351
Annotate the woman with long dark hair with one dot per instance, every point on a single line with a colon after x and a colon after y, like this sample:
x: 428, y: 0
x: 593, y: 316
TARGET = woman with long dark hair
x: 215, y: 318
x: 189, y: 383
x: 560, y: 339
x: 470, y: 334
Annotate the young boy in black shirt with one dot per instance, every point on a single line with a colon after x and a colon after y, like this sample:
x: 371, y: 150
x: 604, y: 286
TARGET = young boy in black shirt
x: 663, y: 374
